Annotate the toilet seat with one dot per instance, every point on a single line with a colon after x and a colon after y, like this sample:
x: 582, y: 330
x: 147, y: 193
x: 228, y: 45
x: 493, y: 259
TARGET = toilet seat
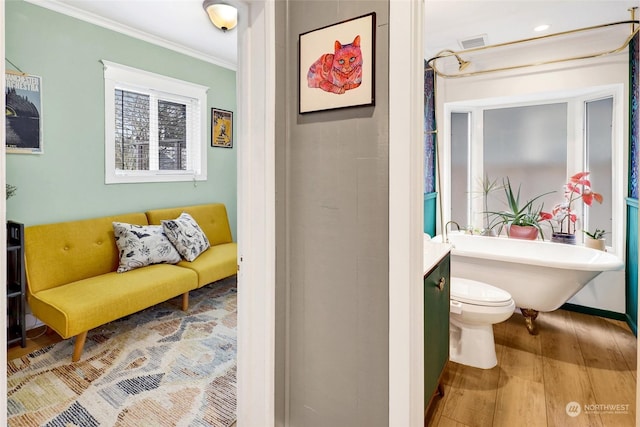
x: 477, y: 293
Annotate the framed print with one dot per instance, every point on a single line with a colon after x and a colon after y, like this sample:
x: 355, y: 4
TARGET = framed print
x: 23, y: 96
x: 221, y: 128
x: 337, y: 65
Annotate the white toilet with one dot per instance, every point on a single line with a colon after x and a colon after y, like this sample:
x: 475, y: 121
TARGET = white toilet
x: 475, y: 307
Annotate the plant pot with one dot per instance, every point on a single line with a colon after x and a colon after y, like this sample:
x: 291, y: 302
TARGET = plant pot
x: 526, y: 232
x: 599, y: 244
x: 567, y: 238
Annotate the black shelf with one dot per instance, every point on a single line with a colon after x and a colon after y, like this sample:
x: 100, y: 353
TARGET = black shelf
x: 13, y: 290
x: 16, y: 285
x: 14, y: 335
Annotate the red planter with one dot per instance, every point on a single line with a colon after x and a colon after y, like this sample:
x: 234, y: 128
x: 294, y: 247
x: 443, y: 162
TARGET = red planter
x: 527, y: 232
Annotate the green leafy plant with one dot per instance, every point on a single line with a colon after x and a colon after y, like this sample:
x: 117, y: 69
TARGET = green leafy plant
x: 488, y: 186
x: 11, y: 191
x: 519, y: 213
x: 596, y: 235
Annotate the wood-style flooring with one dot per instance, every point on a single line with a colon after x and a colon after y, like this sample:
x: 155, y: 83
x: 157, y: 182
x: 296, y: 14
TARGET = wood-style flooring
x: 575, y: 357
x: 37, y: 338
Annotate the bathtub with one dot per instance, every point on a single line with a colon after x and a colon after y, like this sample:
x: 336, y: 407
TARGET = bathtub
x: 540, y: 276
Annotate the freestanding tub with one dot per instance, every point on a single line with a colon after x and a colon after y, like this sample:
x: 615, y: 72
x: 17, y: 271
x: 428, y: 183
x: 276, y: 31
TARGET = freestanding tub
x: 540, y: 276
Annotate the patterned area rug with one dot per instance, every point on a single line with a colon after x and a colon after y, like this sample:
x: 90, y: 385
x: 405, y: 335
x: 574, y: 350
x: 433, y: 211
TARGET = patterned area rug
x: 158, y: 367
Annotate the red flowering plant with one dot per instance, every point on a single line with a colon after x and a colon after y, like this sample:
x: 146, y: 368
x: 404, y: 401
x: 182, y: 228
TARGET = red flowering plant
x: 578, y: 188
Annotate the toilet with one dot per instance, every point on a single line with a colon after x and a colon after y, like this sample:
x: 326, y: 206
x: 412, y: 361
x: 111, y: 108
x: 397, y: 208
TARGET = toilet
x: 474, y: 308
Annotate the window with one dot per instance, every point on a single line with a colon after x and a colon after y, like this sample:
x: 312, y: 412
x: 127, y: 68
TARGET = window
x: 528, y: 144
x: 460, y: 185
x: 155, y: 127
x: 599, y: 160
x: 538, y: 144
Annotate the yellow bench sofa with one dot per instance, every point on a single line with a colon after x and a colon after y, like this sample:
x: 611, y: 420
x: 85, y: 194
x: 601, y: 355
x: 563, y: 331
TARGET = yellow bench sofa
x: 72, y: 283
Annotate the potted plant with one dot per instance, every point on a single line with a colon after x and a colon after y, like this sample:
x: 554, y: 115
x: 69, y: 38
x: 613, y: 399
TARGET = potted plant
x: 563, y: 214
x: 595, y: 240
x: 10, y: 191
x: 488, y: 186
x: 522, y: 220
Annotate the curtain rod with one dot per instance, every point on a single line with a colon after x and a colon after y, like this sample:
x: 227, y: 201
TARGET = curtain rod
x: 431, y: 63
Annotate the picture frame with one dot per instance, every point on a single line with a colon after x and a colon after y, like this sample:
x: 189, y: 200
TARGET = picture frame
x: 221, y: 128
x: 328, y: 78
x: 23, y: 124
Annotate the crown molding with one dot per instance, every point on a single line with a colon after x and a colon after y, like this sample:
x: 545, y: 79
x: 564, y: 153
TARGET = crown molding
x: 109, y: 24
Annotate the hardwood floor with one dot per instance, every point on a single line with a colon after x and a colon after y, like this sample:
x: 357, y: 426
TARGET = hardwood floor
x: 37, y: 338
x: 575, y: 358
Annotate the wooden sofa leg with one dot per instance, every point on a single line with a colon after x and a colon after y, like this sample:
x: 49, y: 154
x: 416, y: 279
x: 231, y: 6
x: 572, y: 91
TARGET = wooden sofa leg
x: 185, y: 301
x: 79, y: 346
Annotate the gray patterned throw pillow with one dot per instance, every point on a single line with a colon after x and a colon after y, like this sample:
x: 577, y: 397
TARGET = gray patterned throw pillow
x: 186, y: 235
x: 141, y: 245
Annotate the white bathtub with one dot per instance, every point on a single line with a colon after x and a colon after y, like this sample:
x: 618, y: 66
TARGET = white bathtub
x: 539, y: 275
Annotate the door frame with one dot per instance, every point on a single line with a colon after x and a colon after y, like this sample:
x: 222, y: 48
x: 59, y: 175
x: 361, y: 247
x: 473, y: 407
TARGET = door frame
x: 255, y: 78
x: 406, y: 213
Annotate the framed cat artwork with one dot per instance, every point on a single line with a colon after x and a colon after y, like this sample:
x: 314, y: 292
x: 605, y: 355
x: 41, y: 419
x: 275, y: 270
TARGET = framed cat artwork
x: 337, y: 65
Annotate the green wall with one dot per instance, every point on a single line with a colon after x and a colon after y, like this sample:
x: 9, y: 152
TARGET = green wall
x: 632, y: 265
x: 67, y: 181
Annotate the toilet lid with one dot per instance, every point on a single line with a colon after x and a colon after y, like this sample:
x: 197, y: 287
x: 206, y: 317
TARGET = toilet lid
x: 478, y: 293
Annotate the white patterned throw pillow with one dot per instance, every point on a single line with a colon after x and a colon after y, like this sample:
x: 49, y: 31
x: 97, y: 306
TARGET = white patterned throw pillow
x: 186, y: 235
x: 141, y: 245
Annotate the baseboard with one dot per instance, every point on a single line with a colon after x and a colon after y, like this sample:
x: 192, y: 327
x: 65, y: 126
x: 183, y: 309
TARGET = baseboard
x: 632, y: 325
x: 603, y: 313
x: 595, y: 312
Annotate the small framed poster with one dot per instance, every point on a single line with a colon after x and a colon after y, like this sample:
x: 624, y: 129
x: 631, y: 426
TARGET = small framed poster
x: 23, y: 96
x: 221, y: 128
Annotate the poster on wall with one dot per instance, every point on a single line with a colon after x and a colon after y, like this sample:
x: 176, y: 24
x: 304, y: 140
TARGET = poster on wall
x: 221, y: 128
x: 23, y: 115
x: 337, y: 65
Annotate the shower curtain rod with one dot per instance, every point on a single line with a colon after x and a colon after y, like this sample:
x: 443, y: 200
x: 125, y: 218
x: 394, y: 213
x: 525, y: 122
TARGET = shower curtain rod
x: 431, y: 63
x: 437, y: 73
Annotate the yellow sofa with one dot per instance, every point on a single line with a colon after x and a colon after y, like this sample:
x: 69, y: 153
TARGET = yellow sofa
x: 72, y: 283
x: 221, y: 259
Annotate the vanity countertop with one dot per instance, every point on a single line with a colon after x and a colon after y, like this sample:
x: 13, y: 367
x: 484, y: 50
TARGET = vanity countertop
x: 433, y: 253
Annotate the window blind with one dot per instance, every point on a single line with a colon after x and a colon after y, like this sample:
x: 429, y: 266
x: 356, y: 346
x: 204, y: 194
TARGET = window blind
x: 152, y: 132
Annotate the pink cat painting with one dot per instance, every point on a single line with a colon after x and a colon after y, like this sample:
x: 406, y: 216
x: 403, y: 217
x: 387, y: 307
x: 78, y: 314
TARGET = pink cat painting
x: 339, y: 71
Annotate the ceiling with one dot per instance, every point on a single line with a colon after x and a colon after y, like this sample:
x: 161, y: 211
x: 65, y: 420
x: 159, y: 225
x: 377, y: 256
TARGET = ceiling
x: 175, y: 24
x: 183, y: 24
x: 448, y: 21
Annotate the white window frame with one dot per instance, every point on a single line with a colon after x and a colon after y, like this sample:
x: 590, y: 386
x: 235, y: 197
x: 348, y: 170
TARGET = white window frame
x: 575, y: 148
x: 117, y: 76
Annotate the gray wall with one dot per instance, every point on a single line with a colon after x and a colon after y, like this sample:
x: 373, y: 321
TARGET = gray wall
x: 332, y: 247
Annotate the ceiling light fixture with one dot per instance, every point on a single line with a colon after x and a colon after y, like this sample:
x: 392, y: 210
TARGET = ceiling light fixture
x: 542, y: 27
x: 221, y: 14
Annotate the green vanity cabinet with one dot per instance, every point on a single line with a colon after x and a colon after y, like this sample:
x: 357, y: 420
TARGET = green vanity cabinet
x: 436, y: 326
